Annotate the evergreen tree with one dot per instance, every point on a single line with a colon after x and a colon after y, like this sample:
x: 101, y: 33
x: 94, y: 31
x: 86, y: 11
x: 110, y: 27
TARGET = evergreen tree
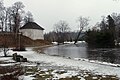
x: 103, y: 38
x: 111, y: 25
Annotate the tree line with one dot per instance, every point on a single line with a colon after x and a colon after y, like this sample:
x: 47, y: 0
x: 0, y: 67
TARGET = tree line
x: 105, y: 33
x: 13, y: 17
x: 62, y: 31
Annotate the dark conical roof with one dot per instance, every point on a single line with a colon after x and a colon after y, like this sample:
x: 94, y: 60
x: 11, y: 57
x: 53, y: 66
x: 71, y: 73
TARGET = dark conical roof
x: 32, y: 25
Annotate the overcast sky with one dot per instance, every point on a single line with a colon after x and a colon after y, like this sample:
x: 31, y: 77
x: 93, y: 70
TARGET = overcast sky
x: 48, y: 12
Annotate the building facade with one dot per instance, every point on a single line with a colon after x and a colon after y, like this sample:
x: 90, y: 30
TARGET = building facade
x: 32, y: 30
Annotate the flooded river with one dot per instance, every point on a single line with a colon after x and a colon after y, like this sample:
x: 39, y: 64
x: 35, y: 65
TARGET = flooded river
x: 82, y: 51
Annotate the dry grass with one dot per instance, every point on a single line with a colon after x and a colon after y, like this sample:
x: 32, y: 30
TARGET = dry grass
x: 10, y: 40
x: 10, y: 72
x: 42, y: 75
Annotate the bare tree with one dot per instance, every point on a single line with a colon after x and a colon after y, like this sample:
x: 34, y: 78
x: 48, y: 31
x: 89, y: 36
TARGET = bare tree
x: 17, y: 11
x: 2, y: 14
x: 28, y: 17
x: 83, y: 22
x: 10, y: 19
x: 61, y: 28
x: 6, y: 18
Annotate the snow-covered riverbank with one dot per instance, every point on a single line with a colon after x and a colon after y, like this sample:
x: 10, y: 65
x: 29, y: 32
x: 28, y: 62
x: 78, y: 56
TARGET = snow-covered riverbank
x: 92, y: 66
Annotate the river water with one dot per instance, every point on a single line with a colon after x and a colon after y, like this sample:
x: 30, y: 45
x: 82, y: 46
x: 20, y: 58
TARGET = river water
x: 81, y: 50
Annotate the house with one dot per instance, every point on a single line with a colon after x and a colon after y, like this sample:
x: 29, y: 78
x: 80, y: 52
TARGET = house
x: 32, y: 30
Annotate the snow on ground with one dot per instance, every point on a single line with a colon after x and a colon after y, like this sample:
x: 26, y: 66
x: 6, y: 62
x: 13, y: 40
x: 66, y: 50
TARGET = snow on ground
x: 78, y: 64
x: 64, y: 75
x: 55, y: 43
x: 10, y: 64
x: 5, y: 58
x: 29, y: 77
x: 98, y: 62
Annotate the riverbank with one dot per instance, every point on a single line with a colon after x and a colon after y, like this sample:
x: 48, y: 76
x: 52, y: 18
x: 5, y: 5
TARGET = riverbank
x: 45, y: 67
x: 96, y: 69
x: 9, y: 40
x: 40, y: 49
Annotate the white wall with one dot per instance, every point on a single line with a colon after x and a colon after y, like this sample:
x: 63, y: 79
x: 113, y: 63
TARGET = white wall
x: 33, y: 33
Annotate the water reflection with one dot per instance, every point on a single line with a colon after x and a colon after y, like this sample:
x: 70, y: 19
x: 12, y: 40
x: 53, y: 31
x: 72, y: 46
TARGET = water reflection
x: 67, y: 51
x: 81, y: 51
x: 105, y: 55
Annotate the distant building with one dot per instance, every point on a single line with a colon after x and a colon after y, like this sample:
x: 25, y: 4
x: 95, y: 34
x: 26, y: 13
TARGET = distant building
x: 32, y: 30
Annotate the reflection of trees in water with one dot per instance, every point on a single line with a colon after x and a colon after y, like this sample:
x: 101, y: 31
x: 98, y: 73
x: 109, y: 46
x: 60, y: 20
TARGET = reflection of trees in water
x: 105, y: 55
x: 109, y: 56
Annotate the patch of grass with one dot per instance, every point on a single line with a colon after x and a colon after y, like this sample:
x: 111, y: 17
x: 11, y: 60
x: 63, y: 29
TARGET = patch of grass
x: 72, y: 78
x: 42, y: 75
x: 10, y: 72
x: 30, y: 70
x: 38, y: 74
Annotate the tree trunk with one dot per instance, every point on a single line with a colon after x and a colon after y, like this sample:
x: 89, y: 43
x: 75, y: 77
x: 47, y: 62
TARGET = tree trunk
x: 78, y: 36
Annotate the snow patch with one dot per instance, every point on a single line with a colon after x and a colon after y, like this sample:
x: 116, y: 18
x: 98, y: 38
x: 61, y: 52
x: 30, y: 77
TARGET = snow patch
x: 93, y: 66
x: 23, y: 77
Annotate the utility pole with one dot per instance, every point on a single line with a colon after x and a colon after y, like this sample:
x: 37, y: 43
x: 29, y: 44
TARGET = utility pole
x: 5, y: 49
